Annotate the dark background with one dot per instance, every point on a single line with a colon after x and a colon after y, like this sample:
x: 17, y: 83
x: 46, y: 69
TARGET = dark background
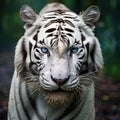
x: 107, y: 31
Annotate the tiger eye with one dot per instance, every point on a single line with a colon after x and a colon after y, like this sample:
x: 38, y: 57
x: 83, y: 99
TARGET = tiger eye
x: 74, y: 50
x: 44, y: 50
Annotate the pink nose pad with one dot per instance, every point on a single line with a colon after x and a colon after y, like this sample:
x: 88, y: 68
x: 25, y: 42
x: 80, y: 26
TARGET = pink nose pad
x: 60, y: 81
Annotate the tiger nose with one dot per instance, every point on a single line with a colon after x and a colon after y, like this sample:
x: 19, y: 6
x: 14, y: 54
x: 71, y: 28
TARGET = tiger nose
x: 60, y: 81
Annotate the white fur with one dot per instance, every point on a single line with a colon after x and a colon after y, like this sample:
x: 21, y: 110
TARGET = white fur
x: 59, y: 64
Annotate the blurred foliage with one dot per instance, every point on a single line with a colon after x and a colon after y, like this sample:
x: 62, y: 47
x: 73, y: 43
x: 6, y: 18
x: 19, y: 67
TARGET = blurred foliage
x: 107, y: 31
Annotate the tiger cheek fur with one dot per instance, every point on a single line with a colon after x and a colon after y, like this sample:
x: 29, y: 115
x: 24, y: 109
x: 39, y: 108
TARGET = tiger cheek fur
x: 56, y: 64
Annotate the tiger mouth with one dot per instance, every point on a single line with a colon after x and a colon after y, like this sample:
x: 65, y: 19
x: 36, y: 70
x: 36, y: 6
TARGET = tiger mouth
x: 59, y: 90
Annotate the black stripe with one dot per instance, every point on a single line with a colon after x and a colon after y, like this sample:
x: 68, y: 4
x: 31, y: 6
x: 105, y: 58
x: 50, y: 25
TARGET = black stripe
x: 78, y: 66
x: 81, y: 56
x: 75, y: 115
x: 16, y: 104
x: 82, y: 37
x: 87, y: 47
x: 22, y: 102
x: 69, y: 110
x: 35, y: 37
x: 59, y: 11
x: 24, y: 55
x: 54, y: 21
x: 69, y: 30
x: 71, y: 107
x: 33, y: 104
x: 59, y: 21
x: 70, y: 35
x: 37, y: 50
x: 42, y: 42
x: 9, y: 116
x: 84, y: 68
x: 49, y: 23
x: 50, y: 30
x: 59, y: 28
x: 70, y: 17
x: 30, y: 49
x: 49, y: 17
x: 77, y: 42
x: 54, y: 41
x: 50, y: 35
x: 69, y: 22
x: 37, y: 57
x: 92, y: 53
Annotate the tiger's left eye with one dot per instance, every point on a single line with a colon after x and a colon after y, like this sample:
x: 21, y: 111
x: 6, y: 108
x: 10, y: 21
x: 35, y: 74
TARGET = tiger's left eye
x: 44, y: 50
x: 74, y: 50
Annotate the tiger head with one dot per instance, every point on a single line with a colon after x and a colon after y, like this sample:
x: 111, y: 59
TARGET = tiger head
x: 58, y: 51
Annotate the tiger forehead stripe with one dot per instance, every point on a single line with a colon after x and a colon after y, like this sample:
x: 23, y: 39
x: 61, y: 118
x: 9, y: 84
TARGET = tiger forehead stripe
x: 59, y: 21
x: 57, y: 11
x: 59, y: 16
x: 35, y: 37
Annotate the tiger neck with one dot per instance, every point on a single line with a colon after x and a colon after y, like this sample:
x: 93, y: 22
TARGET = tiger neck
x: 82, y: 110
x: 49, y: 111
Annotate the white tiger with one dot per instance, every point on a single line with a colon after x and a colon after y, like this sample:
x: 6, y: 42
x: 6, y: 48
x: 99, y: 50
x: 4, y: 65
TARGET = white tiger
x: 56, y: 62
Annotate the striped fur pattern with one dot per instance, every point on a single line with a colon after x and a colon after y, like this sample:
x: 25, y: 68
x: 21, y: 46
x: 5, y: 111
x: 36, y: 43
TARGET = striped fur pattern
x: 56, y: 62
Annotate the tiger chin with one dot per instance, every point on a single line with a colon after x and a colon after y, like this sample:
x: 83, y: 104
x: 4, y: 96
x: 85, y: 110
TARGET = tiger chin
x: 57, y: 63
x: 59, y: 98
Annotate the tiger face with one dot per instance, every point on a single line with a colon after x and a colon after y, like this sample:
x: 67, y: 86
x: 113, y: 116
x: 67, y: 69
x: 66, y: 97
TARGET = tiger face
x: 58, y: 48
x: 59, y: 58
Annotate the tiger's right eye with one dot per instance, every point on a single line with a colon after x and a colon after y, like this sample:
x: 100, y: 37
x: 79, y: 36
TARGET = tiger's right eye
x: 44, y: 50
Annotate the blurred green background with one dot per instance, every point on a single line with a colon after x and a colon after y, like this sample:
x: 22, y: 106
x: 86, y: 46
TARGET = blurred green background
x: 107, y: 28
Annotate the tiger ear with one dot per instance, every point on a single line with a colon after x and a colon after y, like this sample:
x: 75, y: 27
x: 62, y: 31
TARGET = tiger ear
x: 91, y: 15
x: 28, y: 15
